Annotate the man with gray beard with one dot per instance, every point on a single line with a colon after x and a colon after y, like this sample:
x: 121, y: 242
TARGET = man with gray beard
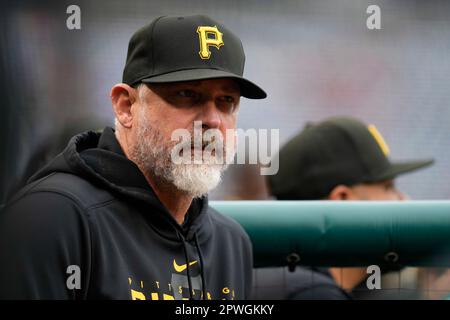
x: 117, y: 215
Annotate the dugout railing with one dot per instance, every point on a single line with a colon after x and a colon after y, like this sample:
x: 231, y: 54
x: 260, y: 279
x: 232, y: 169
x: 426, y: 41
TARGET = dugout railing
x: 347, y: 233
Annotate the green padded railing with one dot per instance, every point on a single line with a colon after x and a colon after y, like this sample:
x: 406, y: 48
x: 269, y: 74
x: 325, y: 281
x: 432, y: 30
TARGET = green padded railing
x: 344, y: 233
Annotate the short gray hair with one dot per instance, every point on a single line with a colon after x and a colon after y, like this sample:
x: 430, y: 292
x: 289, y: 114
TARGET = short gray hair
x: 141, y: 89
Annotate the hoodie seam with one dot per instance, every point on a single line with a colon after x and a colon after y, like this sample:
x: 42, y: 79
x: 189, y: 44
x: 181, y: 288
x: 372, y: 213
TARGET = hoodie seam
x: 100, y: 204
x: 29, y: 190
x: 66, y: 194
x: 74, y: 198
x: 59, y: 192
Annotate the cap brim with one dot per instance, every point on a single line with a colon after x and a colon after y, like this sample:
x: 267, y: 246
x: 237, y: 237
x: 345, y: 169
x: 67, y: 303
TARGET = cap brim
x: 399, y: 168
x: 248, y: 88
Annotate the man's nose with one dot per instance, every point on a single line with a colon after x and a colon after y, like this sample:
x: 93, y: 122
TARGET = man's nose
x: 210, y: 115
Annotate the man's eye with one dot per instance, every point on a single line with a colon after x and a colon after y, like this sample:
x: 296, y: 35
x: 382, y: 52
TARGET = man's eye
x: 187, y: 93
x: 227, y: 103
x: 228, y: 99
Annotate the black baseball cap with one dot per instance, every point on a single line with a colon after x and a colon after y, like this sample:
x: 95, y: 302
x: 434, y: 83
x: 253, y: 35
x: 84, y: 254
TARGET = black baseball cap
x: 175, y: 49
x: 333, y: 152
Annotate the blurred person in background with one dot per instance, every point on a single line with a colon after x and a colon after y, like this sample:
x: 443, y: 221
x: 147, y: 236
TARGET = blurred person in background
x: 338, y: 159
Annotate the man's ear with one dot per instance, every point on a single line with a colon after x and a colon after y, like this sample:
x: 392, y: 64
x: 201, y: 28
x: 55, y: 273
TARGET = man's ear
x: 341, y: 192
x: 122, y: 98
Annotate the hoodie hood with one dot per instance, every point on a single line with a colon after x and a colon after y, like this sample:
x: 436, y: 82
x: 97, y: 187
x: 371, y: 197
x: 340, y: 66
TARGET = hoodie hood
x: 98, y: 158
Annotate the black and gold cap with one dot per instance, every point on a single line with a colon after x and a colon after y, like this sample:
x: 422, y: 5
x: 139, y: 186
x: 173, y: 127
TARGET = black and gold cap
x: 336, y: 151
x: 175, y: 49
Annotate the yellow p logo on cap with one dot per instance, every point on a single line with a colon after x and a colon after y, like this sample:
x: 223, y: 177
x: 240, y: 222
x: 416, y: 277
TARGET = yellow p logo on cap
x: 205, y: 41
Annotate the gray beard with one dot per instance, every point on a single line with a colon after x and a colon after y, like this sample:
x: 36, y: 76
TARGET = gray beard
x: 153, y: 156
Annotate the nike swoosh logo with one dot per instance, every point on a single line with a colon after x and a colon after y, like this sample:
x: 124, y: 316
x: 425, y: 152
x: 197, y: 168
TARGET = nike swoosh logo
x: 181, y: 268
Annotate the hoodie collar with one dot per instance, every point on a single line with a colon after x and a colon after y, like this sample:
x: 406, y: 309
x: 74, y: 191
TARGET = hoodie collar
x: 108, y: 160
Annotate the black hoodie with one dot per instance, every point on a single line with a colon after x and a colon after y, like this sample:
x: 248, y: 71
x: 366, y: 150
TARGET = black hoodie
x: 89, y: 226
